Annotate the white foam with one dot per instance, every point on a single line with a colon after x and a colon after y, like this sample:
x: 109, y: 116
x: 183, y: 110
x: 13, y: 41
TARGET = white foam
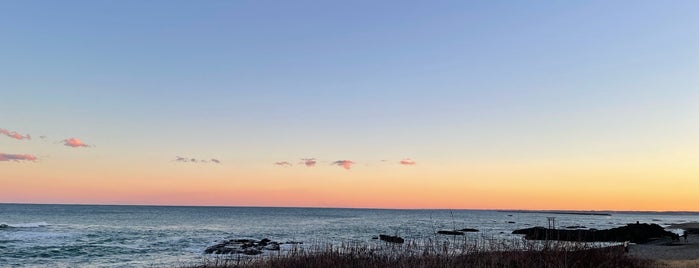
x: 24, y: 225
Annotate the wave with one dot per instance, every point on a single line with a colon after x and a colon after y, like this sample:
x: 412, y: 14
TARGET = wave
x: 23, y: 225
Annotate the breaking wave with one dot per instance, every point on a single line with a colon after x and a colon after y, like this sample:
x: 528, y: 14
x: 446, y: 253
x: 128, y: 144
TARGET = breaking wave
x: 23, y: 225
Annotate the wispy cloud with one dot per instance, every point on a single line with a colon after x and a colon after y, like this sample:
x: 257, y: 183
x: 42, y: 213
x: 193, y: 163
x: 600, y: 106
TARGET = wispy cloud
x: 74, y: 142
x: 309, y: 162
x: 17, y: 157
x: 14, y: 135
x: 194, y: 160
x: 347, y: 164
x: 407, y: 162
x: 283, y: 163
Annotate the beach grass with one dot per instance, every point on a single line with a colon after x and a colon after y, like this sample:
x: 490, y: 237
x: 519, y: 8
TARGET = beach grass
x: 356, y: 255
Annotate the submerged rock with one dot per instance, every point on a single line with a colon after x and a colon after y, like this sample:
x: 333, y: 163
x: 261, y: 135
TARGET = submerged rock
x: 469, y: 230
x: 636, y: 233
x: 450, y: 232
x: 392, y: 239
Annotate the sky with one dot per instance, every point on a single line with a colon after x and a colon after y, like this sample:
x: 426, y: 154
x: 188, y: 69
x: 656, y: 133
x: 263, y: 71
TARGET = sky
x: 576, y: 105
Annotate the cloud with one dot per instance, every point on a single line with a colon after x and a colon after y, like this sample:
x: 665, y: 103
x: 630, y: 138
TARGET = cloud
x: 14, y: 135
x: 407, y: 162
x: 194, y: 160
x: 283, y: 163
x: 17, y: 157
x: 347, y: 164
x: 74, y: 142
x: 309, y: 162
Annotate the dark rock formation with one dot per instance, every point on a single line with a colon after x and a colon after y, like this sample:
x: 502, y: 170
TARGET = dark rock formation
x: 469, y: 230
x: 245, y: 246
x: 451, y: 232
x: 575, y: 227
x: 636, y: 233
x: 392, y: 239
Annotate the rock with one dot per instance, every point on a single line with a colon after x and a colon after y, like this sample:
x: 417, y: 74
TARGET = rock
x: 374, y: 237
x: 450, y: 232
x: 271, y: 246
x: 244, y: 246
x: 637, y: 233
x: 252, y: 251
x: 575, y: 227
x: 510, y: 222
x: 392, y: 239
x: 469, y: 230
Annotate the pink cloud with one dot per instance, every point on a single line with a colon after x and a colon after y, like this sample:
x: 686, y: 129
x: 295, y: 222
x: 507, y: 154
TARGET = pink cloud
x: 309, y: 162
x: 283, y: 163
x: 347, y: 164
x: 74, y: 142
x: 14, y: 135
x: 407, y: 161
x: 17, y: 157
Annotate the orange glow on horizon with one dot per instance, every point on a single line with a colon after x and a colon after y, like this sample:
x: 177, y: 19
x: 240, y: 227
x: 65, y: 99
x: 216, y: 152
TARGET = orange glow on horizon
x: 635, y: 185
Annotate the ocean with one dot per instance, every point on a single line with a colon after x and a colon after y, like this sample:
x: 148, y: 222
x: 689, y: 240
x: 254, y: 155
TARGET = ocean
x: 166, y: 236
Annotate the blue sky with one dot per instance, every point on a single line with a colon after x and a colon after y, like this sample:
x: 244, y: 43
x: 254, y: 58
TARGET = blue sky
x: 255, y: 82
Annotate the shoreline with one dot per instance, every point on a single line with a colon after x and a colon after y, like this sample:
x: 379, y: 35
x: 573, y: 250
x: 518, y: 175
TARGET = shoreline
x: 666, y: 250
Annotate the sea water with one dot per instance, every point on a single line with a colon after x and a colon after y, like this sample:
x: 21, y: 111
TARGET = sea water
x: 167, y: 236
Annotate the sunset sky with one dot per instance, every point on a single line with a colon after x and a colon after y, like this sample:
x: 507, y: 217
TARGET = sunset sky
x: 581, y: 105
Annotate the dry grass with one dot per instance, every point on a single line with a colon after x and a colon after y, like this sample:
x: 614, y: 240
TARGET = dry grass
x: 441, y: 255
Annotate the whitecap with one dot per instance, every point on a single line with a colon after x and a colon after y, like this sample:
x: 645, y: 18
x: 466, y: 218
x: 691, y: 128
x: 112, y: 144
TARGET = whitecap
x: 24, y: 225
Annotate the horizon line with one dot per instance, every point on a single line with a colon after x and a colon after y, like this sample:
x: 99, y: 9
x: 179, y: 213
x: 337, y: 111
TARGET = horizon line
x: 374, y: 208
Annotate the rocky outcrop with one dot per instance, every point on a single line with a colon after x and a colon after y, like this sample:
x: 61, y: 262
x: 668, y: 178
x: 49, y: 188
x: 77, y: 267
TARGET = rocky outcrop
x: 392, y: 239
x: 245, y: 246
x: 637, y: 233
x: 450, y: 232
